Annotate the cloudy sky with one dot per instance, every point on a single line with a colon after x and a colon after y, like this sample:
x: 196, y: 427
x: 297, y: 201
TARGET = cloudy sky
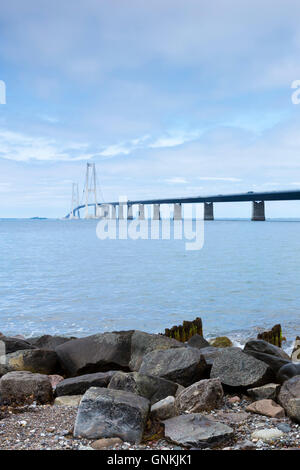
x: 168, y: 98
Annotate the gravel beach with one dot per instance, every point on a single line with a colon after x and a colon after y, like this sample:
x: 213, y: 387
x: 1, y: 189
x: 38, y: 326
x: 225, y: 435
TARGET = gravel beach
x: 47, y: 427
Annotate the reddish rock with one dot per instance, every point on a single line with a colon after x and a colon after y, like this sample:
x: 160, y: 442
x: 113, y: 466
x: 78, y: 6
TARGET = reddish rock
x: 267, y: 408
x: 102, y: 444
x: 55, y: 380
x: 234, y: 400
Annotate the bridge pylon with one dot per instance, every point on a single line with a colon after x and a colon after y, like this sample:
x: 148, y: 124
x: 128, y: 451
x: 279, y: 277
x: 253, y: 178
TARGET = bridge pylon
x: 91, y: 188
x: 75, y: 201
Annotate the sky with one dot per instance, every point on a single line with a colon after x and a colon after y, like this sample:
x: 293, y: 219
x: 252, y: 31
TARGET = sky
x: 169, y: 98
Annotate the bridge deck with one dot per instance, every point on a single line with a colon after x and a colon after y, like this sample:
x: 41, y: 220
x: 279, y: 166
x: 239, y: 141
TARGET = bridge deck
x: 239, y: 197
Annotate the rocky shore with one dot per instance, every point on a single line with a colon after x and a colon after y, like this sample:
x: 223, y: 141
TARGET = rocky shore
x: 135, y: 390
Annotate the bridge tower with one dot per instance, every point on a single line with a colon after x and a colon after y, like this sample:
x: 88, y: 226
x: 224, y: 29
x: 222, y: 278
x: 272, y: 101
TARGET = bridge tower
x: 75, y: 201
x: 90, y: 188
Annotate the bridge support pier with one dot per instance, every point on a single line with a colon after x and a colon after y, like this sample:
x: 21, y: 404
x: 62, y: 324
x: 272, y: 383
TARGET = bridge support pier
x: 177, y: 211
x: 141, y: 215
x: 105, y: 211
x: 113, y: 213
x: 258, y: 210
x: 156, y: 211
x: 121, y: 212
x: 129, y: 213
x: 208, y: 211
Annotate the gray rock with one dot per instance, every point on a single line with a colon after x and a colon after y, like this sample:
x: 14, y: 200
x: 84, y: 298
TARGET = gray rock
x: 266, y: 391
x: 143, y: 343
x: 106, y: 413
x: 79, y: 385
x: 96, y: 353
x: 205, y: 395
x: 263, y: 351
x: 25, y: 387
x: 284, y: 427
x: 48, y: 342
x: 179, y: 390
x: 147, y: 386
x: 183, y: 365
x: 245, y: 445
x: 237, y: 369
x: 288, y: 371
x: 290, y: 389
x: 293, y: 409
x: 198, y: 341
x: 163, y: 409
x: 210, y: 354
x: 261, y: 346
x: 33, y: 360
x: 195, y: 430
x: 13, y: 344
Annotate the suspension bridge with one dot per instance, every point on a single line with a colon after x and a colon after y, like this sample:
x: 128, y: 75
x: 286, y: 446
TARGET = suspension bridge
x: 124, y: 209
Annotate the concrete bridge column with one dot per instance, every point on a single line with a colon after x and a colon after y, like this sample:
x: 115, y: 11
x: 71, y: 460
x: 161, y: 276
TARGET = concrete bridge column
x: 258, y: 210
x: 98, y: 211
x: 129, y: 213
x: 105, y: 209
x: 121, y: 212
x: 113, y: 213
x: 208, y: 211
x: 156, y: 211
x: 141, y: 215
x: 177, y: 211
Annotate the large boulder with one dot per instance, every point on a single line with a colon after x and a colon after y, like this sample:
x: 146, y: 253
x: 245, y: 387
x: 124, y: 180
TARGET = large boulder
x: 261, y: 346
x: 210, y: 354
x: 25, y: 387
x: 182, y: 365
x: 293, y: 409
x: 79, y: 385
x: 111, y: 413
x: 15, y: 344
x: 288, y: 371
x: 143, y: 343
x: 198, y: 341
x: 97, y: 353
x: 205, y: 395
x: 147, y: 386
x: 38, y: 361
x: 48, y: 341
x: 237, y: 369
x: 289, y: 390
x: 195, y: 430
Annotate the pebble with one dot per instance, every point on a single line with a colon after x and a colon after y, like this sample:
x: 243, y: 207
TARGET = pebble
x: 267, y: 435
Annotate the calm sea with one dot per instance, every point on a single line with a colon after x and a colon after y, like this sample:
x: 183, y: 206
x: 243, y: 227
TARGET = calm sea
x: 57, y: 277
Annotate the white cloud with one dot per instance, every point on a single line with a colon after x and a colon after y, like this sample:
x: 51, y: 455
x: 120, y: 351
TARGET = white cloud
x: 217, y: 178
x: 176, y: 180
x: 24, y: 148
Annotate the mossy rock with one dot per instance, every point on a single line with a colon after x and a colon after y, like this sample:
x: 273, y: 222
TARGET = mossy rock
x: 221, y: 342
